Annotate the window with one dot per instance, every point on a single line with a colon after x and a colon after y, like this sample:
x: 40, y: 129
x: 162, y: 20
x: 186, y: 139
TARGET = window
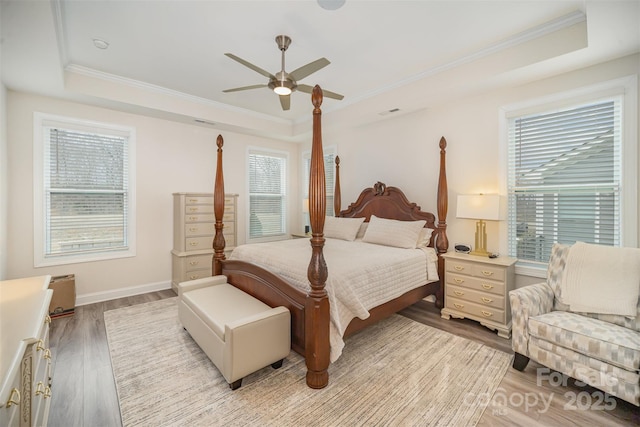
x: 84, y: 201
x: 329, y: 176
x: 566, y: 178
x: 267, y: 194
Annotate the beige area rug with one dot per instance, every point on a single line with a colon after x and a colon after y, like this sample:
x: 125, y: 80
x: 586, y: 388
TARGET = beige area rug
x: 397, y: 372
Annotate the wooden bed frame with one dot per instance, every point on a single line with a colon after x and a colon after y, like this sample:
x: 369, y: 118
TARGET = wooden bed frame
x: 310, y: 312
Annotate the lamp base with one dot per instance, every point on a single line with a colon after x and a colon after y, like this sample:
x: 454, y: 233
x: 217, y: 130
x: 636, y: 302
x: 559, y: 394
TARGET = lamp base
x: 481, y: 240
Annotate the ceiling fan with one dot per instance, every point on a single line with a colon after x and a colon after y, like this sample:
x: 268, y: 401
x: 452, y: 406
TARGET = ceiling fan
x: 283, y: 83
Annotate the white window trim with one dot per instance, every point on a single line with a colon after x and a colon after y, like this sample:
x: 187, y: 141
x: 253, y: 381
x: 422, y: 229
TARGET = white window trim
x: 626, y: 86
x: 285, y: 234
x: 39, y: 121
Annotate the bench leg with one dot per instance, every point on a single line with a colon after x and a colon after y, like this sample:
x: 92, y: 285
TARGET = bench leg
x: 278, y: 364
x: 236, y: 384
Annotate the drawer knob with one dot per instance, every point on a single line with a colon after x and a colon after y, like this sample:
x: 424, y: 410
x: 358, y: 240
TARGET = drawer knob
x: 194, y: 262
x: 487, y: 300
x: 193, y: 277
x: 487, y: 286
x: 193, y: 209
x: 193, y: 229
x: 458, y: 293
x: 456, y: 305
x: 458, y: 280
x: 193, y: 200
x: 487, y: 313
x: 193, y: 218
x: 458, y: 267
x: 487, y: 273
x: 40, y: 345
x: 47, y: 354
x: 47, y: 319
x: 47, y: 392
x: 14, y: 397
x: 40, y: 388
x: 194, y: 243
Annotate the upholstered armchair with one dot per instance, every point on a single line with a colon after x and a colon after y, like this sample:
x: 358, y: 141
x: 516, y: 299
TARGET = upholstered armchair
x: 602, y: 350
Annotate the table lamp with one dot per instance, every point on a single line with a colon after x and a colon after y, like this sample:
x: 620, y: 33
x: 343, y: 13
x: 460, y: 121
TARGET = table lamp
x: 482, y: 207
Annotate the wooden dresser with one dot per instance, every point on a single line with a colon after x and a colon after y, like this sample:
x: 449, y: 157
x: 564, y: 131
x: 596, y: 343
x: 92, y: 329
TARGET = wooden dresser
x: 478, y: 288
x: 193, y: 231
x: 25, y: 391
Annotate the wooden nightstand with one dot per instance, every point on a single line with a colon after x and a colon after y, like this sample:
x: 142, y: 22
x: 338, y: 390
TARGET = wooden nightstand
x: 478, y: 288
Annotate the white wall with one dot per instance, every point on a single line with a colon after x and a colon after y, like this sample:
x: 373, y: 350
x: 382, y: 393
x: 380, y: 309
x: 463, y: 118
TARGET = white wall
x: 171, y: 157
x: 3, y: 182
x: 403, y: 151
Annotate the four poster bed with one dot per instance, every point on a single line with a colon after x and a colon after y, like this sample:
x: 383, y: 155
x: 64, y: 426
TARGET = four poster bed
x: 318, y: 312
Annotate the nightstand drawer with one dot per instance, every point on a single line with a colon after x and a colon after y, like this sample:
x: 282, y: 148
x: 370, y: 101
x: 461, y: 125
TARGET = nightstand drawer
x: 461, y: 267
x: 482, y: 298
x: 476, y: 310
x: 198, y: 262
x: 476, y: 283
x: 488, y: 272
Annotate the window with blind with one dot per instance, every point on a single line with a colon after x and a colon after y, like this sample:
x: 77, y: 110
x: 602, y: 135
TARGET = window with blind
x: 267, y: 194
x: 84, y: 191
x: 565, y: 178
x: 329, y: 176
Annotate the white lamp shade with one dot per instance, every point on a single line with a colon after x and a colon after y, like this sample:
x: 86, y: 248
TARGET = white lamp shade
x: 479, y: 206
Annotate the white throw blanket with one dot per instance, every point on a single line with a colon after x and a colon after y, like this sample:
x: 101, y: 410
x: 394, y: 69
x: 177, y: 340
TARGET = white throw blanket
x: 601, y: 279
x: 361, y: 275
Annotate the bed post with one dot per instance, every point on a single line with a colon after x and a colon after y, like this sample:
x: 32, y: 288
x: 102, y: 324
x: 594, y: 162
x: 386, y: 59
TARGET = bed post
x: 442, y: 243
x: 336, y: 191
x: 218, y: 210
x: 317, y: 302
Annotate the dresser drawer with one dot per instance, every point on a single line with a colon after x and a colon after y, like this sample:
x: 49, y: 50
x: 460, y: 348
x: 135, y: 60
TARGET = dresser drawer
x: 199, y: 229
x: 199, y: 200
x: 199, y: 243
x: 476, y: 310
x: 461, y: 267
x: 482, y: 298
x: 197, y: 262
x: 197, y: 274
x: 200, y: 218
x: 476, y: 283
x: 196, y: 209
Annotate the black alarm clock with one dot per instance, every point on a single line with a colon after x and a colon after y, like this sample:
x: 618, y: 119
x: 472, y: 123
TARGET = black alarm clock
x: 462, y: 248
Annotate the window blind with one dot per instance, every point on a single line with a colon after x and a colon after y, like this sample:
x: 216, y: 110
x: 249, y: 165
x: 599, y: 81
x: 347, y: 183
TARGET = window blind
x: 329, y: 176
x: 564, y: 178
x: 86, y: 185
x: 267, y: 194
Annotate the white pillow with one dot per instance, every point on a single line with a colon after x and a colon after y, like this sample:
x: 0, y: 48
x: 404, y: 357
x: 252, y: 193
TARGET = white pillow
x: 342, y: 228
x: 424, y: 238
x: 391, y: 232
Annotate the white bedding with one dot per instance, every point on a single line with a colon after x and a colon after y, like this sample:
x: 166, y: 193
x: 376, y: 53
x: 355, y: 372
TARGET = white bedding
x: 361, y: 275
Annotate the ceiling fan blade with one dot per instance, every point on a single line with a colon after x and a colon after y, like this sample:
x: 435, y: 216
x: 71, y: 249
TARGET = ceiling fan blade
x: 327, y: 93
x: 236, y: 89
x: 285, y: 101
x: 311, y: 67
x: 250, y: 65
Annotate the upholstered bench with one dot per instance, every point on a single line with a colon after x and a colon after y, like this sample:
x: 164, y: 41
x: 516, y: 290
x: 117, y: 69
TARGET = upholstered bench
x: 239, y: 333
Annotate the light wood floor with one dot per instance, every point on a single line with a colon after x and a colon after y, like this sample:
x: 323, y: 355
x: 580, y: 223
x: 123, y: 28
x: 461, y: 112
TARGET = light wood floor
x: 84, y: 392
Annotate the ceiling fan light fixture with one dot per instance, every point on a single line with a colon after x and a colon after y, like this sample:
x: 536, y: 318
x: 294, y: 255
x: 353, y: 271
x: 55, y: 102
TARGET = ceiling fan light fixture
x: 282, y: 90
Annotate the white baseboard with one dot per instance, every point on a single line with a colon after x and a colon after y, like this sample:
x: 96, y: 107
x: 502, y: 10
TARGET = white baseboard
x: 120, y: 293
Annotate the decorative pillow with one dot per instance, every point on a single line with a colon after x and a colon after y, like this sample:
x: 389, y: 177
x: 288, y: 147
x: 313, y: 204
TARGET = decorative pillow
x: 362, y: 230
x: 342, y: 228
x: 424, y: 238
x: 391, y: 232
